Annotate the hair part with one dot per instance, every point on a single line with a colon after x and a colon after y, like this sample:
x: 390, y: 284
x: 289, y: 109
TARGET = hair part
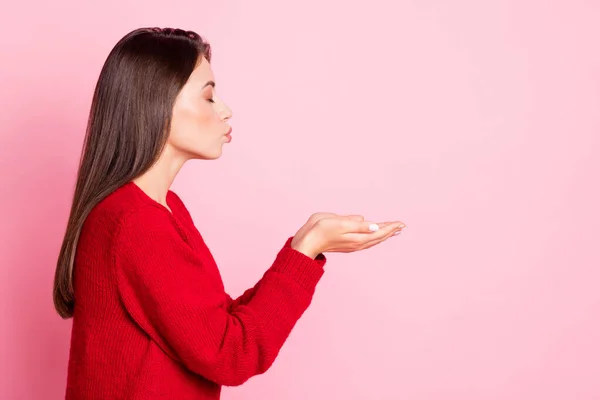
x: 128, y: 127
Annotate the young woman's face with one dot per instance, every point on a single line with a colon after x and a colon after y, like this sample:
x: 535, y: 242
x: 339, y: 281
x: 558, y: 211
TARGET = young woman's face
x: 199, y: 126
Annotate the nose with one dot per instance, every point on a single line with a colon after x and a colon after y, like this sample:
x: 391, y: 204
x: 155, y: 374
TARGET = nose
x: 226, y: 113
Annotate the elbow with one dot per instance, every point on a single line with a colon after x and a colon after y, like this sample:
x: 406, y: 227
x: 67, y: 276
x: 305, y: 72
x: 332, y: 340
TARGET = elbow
x: 234, y: 353
x: 230, y: 376
x: 233, y: 380
x: 228, y: 369
x: 240, y: 375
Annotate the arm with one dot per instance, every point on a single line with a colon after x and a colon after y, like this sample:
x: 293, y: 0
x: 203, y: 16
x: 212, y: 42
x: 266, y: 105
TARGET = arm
x: 167, y: 291
x: 244, y: 298
x: 249, y: 293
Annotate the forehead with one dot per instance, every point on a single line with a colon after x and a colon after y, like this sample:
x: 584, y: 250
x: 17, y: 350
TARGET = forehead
x: 202, y: 73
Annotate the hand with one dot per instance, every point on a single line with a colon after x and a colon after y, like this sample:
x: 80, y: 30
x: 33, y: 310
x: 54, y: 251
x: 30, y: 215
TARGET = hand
x: 313, y: 219
x: 343, y: 234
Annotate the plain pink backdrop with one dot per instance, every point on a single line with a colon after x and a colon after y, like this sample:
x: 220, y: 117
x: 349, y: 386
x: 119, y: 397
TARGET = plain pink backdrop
x: 475, y: 122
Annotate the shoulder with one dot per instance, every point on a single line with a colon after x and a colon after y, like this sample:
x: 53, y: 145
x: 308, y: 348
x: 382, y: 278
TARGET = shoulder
x: 149, y: 242
x: 105, y: 217
x: 121, y: 202
x: 145, y: 221
x: 148, y: 235
x: 128, y: 212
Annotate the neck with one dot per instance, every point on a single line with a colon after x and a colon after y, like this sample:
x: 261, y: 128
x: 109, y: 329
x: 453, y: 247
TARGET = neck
x: 157, y: 181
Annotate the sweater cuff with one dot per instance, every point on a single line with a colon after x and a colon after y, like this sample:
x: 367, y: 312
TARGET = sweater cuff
x: 300, y: 267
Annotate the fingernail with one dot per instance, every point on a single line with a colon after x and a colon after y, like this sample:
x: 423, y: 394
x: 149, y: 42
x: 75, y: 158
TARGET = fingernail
x: 397, y: 233
x: 373, y: 227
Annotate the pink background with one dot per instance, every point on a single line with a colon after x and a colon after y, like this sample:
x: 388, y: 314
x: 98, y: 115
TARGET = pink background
x: 475, y: 122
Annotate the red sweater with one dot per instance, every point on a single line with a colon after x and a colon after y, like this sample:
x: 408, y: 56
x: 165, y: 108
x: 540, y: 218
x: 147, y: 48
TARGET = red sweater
x: 152, y: 319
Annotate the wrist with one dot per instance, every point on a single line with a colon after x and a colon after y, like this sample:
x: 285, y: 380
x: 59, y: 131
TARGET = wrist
x: 305, y: 246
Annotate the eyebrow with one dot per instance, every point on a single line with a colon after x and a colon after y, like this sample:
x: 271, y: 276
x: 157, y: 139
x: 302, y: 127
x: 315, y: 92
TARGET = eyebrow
x: 209, y: 83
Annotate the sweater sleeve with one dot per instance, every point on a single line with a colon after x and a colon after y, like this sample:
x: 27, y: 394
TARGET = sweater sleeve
x: 173, y: 297
x: 245, y: 297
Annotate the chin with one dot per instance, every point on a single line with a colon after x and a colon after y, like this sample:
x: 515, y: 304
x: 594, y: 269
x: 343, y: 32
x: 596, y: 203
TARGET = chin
x: 201, y: 152
x: 208, y: 156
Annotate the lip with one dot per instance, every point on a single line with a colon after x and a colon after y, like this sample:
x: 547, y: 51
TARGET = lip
x: 228, y: 136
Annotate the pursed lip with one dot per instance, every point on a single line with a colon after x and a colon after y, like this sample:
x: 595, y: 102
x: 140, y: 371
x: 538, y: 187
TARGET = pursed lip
x: 228, y: 132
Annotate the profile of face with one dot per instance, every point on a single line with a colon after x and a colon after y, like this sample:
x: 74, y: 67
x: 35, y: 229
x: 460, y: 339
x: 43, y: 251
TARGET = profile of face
x: 199, y: 127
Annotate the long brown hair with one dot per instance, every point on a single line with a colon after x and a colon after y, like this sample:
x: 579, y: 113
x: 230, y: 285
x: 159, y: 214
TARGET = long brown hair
x: 128, y: 125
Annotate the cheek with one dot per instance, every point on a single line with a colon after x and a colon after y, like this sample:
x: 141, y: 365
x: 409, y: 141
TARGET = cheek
x: 191, y: 119
x: 202, y: 113
x: 194, y: 127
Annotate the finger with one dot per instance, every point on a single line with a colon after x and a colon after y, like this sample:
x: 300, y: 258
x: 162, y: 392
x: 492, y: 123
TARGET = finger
x: 390, y: 230
x: 352, y: 226
x: 386, y: 229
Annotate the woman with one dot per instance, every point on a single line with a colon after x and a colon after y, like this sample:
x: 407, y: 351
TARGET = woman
x: 151, y: 319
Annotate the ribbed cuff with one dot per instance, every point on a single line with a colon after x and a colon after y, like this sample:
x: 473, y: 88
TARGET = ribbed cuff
x: 303, y: 269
